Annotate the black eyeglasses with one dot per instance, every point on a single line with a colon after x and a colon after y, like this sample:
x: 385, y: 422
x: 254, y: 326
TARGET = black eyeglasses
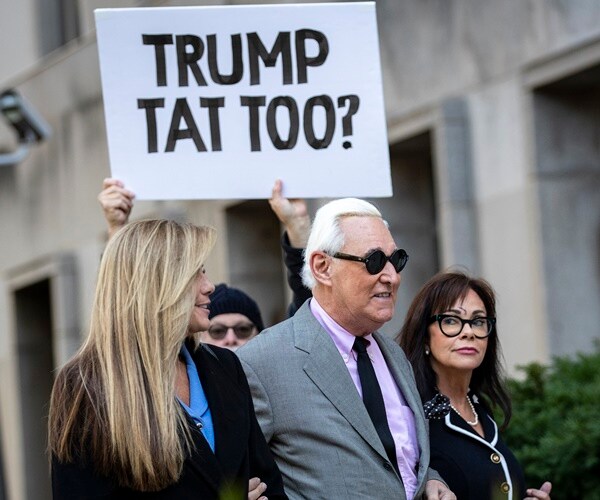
x: 376, y: 260
x: 242, y: 331
x: 451, y: 325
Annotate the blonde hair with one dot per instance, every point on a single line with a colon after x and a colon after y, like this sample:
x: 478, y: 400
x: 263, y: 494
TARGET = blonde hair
x: 114, y: 404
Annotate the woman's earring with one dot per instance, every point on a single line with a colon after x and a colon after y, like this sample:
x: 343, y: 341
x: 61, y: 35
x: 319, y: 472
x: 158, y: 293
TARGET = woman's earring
x: 426, y: 351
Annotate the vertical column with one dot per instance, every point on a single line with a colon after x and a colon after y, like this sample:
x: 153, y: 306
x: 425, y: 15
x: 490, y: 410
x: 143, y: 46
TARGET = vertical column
x: 568, y: 175
x: 457, y: 216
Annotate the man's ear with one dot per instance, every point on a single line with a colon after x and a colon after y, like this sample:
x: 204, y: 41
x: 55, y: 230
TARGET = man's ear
x: 320, y: 265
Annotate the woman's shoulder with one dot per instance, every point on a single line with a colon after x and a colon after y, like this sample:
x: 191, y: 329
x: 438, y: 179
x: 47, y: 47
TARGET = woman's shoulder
x: 215, y: 353
x: 220, y: 358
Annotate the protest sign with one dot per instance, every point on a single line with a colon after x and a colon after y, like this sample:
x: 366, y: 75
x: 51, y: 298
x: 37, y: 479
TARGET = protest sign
x: 218, y: 102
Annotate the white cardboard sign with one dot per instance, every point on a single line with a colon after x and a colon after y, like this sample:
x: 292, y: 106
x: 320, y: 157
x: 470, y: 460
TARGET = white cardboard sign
x: 219, y: 102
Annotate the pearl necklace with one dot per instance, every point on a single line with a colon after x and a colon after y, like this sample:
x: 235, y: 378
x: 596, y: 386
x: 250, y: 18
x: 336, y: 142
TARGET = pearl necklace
x: 474, y: 422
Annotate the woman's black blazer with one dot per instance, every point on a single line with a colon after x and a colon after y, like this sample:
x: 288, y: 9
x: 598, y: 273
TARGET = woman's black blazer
x: 240, y: 448
x: 474, y: 467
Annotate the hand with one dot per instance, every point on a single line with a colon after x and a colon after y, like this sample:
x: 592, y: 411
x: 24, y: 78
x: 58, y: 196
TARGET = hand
x: 116, y: 202
x: 543, y: 492
x: 436, y: 490
x: 293, y: 214
x: 255, y: 489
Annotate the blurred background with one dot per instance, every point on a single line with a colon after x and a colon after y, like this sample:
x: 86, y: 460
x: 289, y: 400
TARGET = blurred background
x: 493, y: 114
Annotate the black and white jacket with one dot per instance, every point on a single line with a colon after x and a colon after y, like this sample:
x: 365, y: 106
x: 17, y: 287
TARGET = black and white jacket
x: 474, y: 467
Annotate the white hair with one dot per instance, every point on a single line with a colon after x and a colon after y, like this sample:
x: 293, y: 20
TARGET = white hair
x: 326, y: 234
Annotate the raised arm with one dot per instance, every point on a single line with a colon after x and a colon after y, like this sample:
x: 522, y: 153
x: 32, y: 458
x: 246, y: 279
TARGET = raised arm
x: 293, y: 214
x: 116, y: 202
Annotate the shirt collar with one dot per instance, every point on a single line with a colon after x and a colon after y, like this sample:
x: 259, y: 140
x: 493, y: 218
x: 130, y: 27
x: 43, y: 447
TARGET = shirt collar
x: 341, y: 337
x: 198, y: 403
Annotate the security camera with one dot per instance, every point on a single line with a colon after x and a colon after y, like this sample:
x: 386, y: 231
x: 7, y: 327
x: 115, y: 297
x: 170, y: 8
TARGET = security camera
x: 27, y: 122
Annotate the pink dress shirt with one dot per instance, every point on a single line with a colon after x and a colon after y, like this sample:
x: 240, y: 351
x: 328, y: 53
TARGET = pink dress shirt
x: 401, y: 419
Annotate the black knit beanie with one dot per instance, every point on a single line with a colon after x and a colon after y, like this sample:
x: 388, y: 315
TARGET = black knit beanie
x: 226, y: 300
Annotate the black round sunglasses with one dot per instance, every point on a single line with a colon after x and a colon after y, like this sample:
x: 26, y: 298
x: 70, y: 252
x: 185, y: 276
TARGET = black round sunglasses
x: 376, y: 260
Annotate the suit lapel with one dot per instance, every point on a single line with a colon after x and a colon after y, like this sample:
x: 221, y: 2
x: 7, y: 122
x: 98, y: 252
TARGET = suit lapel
x: 401, y: 372
x: 327, y: 370
x: 227, y: 405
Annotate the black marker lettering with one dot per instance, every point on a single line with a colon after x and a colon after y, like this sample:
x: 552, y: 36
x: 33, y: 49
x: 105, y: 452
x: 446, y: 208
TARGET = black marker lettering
x: 309, y: 131
x: 292, y: 107
x: 253, y: 103
x: 182, y: 110
x: 302, y: 61
x: 150, y: 106
x: 213, y: 104
x: 189, y: 60
x: 237, y: 70
x: 281, y: 47
x: 159, y: 42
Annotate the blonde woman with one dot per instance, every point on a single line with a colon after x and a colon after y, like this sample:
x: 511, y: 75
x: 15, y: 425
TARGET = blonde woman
x: 144, y: 410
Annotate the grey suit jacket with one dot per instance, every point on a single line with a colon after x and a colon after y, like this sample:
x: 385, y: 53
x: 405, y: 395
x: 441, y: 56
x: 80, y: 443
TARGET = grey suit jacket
x: 314, y: 419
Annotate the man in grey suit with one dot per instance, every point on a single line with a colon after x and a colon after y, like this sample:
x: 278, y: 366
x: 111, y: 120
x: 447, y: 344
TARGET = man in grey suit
x: 309, y: 375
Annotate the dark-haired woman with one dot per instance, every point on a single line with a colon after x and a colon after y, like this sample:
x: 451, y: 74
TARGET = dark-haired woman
x: 451, y: 339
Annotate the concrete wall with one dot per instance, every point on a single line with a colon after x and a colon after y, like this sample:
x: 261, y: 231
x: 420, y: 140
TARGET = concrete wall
x: 18, y: 24
x: 568, y: 175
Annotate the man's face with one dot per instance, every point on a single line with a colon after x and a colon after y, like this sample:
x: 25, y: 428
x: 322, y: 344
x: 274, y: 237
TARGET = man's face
x: 363, y: 302
x: 230, y: 330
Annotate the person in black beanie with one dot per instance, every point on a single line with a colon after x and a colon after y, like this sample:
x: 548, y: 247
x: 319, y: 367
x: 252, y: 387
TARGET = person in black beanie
x: 234, y: 318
